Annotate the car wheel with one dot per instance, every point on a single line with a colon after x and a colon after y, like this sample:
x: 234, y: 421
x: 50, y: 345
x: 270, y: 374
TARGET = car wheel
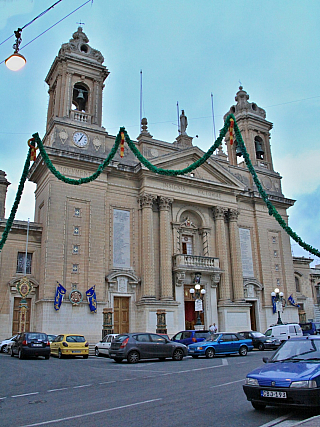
x: 133, y: 357
x: 60, y: 355
x: 177, y: 354
x: 258, y: 406
x: 86, y: 356
x: 261, y: 346
x: 194, y: 357
x: 118, y: 359
x: 210, y: 353
x: 3, y: 348
x: 243, y: 350
x: 97, y: 352
x: 20, y: 354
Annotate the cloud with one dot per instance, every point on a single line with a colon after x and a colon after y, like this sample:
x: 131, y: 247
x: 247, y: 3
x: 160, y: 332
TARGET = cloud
x: 10, y: 8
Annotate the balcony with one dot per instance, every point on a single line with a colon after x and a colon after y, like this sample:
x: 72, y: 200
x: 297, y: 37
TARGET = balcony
x: 195, y: 263
x: 80, y: 116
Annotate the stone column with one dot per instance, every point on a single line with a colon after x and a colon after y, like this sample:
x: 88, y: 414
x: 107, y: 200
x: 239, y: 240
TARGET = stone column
x: 205, y: 241
x: 222, y: 253
x: 148, y: 271
x: 4, y: 183
x: 166, y: 290
x: 235, y: 250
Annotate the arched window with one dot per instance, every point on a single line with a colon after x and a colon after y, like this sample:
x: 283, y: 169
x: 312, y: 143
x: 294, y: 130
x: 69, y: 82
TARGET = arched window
x: 80, y: 97
x: 259, y: 147
x: 297, y: 281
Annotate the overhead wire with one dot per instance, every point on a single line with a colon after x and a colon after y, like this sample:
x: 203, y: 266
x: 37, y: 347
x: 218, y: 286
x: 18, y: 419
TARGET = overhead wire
x: 75, y: 10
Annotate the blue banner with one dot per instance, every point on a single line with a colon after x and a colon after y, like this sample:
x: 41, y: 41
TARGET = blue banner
x: 274, y: 304
x: 60, y: 293
x: 92, y: 299
x: 292, y: 301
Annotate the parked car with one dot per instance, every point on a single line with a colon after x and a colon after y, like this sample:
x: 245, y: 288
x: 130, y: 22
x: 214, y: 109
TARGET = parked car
x: 310, y: 328
x: 51, y: 337
x: 102, y: 347
x: 291, y: 377
x: 284, y: 332
x: 191, y: 336
x: 221, y: 343
x: 4, y: 344
x: 70, y: 345
x: 136, y: 346
x: 30, y: 344
x: 260, y: 341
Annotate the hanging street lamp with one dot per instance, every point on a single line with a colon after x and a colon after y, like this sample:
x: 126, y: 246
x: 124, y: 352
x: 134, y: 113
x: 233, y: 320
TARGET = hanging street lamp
x: 16, y: 61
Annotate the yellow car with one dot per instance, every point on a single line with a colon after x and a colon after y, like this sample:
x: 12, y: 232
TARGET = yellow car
x: 70, y: 345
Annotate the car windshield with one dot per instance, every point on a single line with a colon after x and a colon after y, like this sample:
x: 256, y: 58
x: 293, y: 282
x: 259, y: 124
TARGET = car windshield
x: 257, y: 334
x: 75, y: 338
x: 213, y: 337
x: 298, y: 350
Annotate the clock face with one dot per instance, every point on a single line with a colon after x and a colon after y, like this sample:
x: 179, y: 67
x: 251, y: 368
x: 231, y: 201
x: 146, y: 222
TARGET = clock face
x: 80, y: 139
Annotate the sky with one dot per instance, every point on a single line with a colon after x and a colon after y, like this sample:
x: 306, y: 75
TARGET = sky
x: 186, y: 50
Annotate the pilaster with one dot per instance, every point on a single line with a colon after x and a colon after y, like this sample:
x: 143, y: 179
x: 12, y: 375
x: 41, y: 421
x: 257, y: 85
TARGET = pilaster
x: 166, y: 290
x: 236, y: 263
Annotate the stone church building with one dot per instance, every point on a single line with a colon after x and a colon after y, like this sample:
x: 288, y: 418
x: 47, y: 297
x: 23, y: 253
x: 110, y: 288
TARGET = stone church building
x: 144, y: 240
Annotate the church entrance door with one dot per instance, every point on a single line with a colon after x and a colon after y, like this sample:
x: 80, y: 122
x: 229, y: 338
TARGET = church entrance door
x: 121, y: 315
x: 253, y: 315
x: 16, y: 327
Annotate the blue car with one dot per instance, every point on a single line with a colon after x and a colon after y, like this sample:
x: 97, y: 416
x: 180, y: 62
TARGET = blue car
x: 221, y: 343
x: 291, y: 377
x: 190, y: 336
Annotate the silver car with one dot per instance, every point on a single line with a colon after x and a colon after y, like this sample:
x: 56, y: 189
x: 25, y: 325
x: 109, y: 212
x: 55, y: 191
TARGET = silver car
x: 102, y: 347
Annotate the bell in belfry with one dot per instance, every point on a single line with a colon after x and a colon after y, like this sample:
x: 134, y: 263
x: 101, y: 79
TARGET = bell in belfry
x: 259, y: 149
x: 81, y: 99
x: 238, y: 151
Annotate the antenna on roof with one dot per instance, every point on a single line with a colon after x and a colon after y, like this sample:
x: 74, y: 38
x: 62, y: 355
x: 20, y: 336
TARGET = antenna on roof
x: 212, y: 109
x: 140, y: 99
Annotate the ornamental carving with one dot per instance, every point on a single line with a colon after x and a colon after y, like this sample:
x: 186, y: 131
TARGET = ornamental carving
x: 219, y: 212
x: 180, y: 278
x: 165, y: 203
x: 146, y: 200
x: 233, y: 215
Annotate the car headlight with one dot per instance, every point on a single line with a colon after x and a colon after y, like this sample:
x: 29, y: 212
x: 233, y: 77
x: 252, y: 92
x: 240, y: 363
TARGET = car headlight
x: 251, y: 381
x: 304, y: 384
x: 269, y: 340
x: 199, y: 348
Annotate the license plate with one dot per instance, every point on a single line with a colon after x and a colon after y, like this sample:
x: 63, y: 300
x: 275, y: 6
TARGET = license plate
x: 36, y: 345
x: 191, y: 351
x: 76, y: 351
x: 111, y: 354
x: 276, y: 394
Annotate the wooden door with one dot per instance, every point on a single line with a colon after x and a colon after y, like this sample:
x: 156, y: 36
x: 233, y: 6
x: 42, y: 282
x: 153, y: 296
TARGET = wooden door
x: 16, y: 316
x: 121, y: 315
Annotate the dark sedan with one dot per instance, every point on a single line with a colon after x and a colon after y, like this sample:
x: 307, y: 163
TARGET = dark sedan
x: 260, y: 341
x: 136, y: 346
x: 31, y: 344
x: 291, y: 377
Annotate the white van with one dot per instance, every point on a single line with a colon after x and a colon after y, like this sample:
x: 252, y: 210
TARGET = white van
x: 284, y: 332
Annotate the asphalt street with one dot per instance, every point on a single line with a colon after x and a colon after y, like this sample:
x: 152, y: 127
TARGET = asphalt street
x: 98, y: 391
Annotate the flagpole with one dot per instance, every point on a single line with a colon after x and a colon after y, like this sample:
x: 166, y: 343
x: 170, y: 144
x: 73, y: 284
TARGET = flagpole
x: 140, y: 99
x: 25, y: 260
x: 214, y: 126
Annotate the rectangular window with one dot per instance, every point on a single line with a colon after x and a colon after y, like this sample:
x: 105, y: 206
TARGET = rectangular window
x: 274, y: 239
x: 275, y: 253
x: 187, y: 245
x: 75, y: 268
x: 76, y: 230
x: 277, y: 267
x: 21, y: 262
x: 77, y: 212
x: 76, y: 249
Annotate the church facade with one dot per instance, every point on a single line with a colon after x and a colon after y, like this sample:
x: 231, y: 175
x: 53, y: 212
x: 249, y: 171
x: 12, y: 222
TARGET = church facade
x: 163, y: 253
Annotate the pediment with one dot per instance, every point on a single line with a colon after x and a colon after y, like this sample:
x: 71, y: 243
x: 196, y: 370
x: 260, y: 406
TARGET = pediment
x: 211, y: 170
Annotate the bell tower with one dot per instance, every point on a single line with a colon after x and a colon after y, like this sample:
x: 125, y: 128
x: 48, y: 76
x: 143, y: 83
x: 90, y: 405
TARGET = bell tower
x: 76, y: 80
x: 255, y: 130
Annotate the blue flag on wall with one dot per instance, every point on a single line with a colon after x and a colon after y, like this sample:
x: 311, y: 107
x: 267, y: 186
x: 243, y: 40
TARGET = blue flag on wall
x: 292, y: 301
x: 274, y: 304
x: 60, y: 293
x: 92, y: 299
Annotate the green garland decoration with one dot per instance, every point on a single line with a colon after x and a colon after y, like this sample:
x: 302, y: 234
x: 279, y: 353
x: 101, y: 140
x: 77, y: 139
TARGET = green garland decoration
x: 80, y: 181
x: 16, y: 202
x: 169, y: 172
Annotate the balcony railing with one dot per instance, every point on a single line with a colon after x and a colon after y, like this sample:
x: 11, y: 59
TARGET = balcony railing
x: 80, y: 116
x: 195, y: 262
